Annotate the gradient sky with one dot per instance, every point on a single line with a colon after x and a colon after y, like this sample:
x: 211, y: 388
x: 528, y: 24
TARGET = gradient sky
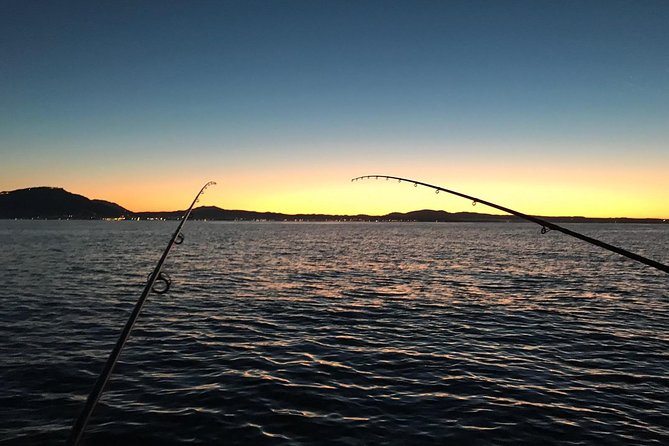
x: 552, y: 108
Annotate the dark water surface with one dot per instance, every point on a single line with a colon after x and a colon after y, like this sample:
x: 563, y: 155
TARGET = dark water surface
x: 305, y: 333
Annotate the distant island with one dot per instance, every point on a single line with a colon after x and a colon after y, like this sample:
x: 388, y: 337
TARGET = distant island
x: 52, y: 203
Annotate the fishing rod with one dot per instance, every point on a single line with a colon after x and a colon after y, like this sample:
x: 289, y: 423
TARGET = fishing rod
x: 159, y: 283
x: 545, y: 225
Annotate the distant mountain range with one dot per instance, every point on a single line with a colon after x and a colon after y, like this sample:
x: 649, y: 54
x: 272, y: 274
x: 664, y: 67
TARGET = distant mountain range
x: 57, y: 203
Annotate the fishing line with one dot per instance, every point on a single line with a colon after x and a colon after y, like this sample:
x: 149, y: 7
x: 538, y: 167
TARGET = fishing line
x: 545, y: 225
x: 159, y: 283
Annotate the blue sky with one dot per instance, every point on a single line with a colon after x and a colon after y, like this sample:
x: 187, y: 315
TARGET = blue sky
x: 253, y: 87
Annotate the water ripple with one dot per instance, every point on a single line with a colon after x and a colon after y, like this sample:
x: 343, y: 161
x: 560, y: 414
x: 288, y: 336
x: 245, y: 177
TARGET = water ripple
x: 347, y: 334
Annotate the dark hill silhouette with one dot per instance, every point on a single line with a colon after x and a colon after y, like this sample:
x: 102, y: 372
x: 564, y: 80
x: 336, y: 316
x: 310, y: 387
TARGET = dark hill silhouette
x: 54, y: 202
x: 430, y: 215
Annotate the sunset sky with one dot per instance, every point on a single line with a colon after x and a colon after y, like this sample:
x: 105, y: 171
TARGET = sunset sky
x: 551, y: 108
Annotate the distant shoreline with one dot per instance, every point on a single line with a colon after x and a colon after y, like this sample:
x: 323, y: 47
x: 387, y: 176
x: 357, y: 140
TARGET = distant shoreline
x: 371, y: 219
x: 51, y: 203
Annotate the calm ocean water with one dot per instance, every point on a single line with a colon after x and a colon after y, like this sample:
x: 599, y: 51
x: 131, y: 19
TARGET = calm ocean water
x: 336, y: 333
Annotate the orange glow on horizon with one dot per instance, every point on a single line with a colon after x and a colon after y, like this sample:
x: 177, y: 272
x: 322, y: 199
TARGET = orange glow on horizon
x: 335, y: 194
x: 537, y: 189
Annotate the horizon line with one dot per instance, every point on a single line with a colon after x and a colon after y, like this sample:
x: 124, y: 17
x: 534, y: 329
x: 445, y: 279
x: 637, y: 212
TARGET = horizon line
x: 346, y: 214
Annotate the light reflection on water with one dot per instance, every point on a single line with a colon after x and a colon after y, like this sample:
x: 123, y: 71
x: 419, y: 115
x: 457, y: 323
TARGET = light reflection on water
x: 337, y: 333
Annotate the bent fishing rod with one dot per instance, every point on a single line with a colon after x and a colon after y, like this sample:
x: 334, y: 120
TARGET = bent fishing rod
x: 545, y: 225
x: 159, y: 283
